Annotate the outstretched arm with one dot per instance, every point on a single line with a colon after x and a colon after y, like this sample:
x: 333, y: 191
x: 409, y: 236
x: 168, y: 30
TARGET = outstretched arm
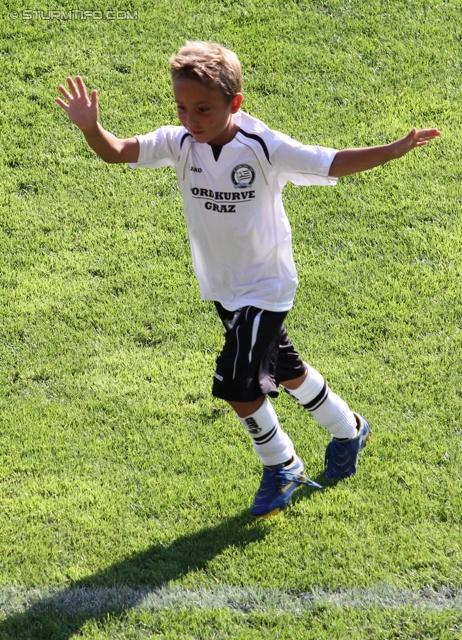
x: 83, y: 111
x: 350, y: 161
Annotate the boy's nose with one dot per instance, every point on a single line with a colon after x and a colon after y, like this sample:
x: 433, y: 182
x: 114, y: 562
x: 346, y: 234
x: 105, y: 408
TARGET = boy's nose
x: 190, y: 120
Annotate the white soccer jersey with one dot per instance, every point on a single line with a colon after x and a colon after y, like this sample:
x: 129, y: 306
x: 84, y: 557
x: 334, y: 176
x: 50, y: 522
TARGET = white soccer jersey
x: 241, y: 241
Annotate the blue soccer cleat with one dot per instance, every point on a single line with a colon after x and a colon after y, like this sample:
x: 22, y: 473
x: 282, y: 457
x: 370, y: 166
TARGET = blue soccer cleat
x: 342, y: 456
x: 277, y: 486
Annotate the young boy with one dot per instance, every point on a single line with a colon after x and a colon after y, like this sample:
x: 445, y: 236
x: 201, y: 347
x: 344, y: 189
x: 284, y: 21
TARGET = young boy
x: 231, y: 169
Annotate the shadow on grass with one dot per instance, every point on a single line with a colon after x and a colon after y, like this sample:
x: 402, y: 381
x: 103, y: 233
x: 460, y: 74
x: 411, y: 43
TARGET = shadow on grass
x: 126, y: 584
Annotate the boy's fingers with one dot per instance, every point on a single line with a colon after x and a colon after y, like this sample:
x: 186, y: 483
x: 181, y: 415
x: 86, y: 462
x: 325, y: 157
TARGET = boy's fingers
x: 72, y: 87
x: 82, y: 87
x: 420, y: 137
x: 434, y: 133
x: 65, y: 92
x: 427, y: 134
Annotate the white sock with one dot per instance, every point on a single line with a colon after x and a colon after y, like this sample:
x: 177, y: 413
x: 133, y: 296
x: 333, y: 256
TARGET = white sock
x: 326, y: 407
x: 272, y: 445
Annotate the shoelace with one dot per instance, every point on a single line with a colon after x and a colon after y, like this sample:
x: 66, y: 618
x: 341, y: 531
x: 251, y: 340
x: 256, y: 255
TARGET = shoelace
x: 293, y: 477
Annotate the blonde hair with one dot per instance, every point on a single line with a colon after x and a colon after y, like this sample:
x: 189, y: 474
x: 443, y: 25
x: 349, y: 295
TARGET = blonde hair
x: 212, y: 64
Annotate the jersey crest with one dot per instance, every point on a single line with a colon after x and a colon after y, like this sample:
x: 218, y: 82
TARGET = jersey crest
x: 243, y: 176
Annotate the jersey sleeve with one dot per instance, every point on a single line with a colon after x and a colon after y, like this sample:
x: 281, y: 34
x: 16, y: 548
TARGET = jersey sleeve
x: 304, y: 164
x: 158, y: 148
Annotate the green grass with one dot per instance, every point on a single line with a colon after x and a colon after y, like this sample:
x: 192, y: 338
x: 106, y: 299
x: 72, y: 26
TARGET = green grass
x: 124, y: 485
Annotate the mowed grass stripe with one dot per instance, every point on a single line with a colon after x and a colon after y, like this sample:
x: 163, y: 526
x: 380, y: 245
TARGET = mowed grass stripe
x: 95, y: 601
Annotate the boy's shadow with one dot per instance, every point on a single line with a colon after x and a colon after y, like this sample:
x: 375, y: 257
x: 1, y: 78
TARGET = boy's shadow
x: 126, y: 584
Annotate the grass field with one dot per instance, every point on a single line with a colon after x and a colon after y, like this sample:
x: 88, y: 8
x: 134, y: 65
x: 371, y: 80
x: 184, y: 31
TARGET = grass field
x: 124, y: 485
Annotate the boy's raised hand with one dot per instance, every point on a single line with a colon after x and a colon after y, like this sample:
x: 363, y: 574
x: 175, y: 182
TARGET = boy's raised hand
x: 349, y: 161
x: 82, y: 110
x: 415, y: 138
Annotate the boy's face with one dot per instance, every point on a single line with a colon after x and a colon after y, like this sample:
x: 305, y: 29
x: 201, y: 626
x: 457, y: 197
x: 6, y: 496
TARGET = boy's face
x: 205, y: 112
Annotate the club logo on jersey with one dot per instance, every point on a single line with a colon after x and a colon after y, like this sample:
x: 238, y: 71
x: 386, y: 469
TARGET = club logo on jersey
x: 243, y: 176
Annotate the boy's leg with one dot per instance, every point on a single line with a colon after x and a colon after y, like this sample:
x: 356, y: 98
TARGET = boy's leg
x: 272, y: 445
x: 350, y: 431
x: 245, y: 373
x: 282, y: 469
x: 326, y: 407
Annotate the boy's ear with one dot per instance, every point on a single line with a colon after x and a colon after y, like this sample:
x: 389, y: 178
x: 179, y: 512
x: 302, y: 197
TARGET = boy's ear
x: 236, y: 102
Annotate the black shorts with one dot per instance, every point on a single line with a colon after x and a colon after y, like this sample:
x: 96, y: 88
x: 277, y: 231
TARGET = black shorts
x: 257, y: 355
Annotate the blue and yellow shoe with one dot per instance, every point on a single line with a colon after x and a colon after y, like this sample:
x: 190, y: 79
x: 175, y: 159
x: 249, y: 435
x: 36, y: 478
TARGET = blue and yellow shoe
x: 277, y: 486
x: 342, y: 456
